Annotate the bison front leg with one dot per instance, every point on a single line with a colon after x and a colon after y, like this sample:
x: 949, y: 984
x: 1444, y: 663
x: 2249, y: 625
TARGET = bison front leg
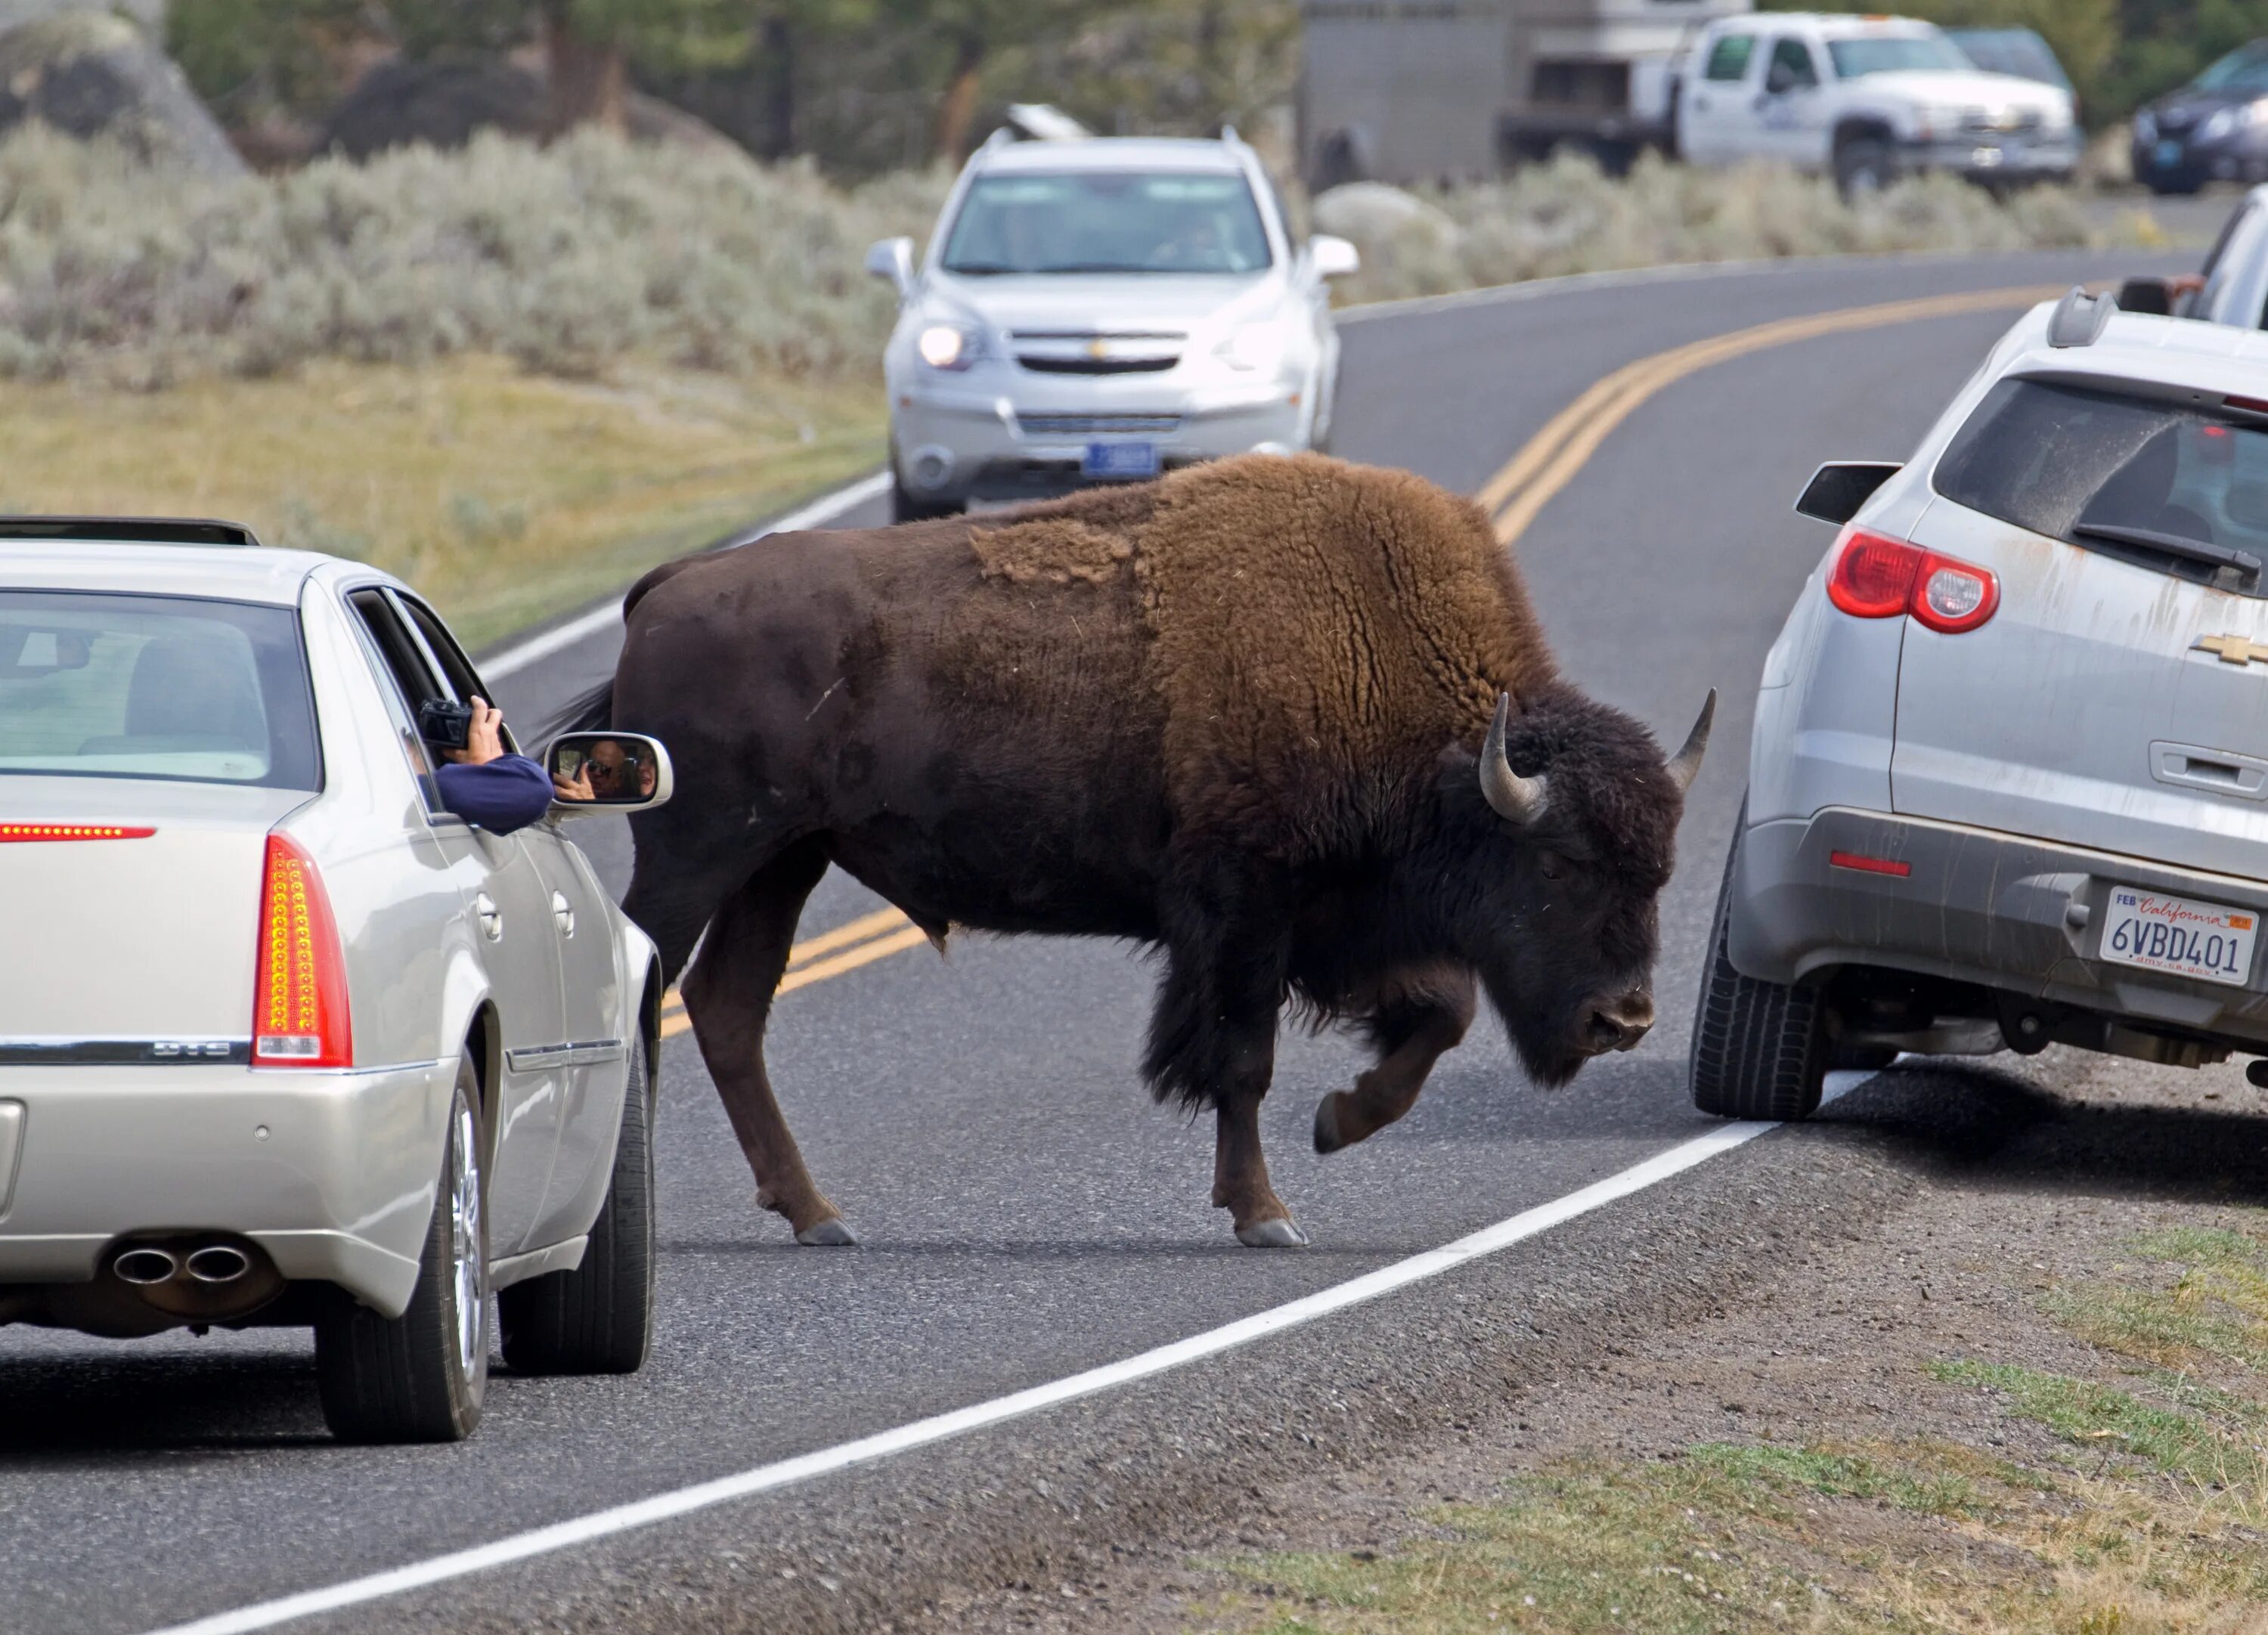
x: 1411, y: 1030
x: 728, y: 995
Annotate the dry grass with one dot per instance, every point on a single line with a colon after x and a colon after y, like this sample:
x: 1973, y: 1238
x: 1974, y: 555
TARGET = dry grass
x: 2149, y: 1517
x: 503, y: 495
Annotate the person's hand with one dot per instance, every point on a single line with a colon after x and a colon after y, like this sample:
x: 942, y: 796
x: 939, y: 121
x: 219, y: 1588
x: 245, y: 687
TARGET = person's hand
x: 483, y: 735
x: 575, y: 788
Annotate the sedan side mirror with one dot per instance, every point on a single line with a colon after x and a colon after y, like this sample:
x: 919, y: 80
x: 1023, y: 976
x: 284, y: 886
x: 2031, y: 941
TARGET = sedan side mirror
x: 595, y: 772
x: 1334, y: 258
x: 1840, y: 487
x: 893, y: 259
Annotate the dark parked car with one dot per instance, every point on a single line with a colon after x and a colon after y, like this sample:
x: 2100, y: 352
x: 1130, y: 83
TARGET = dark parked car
x: 2214, y: 129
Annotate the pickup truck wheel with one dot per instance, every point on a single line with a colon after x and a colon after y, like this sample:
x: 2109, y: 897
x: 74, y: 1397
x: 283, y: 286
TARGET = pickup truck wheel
x: 422, y: 1376
x: 1759, y: 1048
x: 597, y: 1318
x: 1864, y: 166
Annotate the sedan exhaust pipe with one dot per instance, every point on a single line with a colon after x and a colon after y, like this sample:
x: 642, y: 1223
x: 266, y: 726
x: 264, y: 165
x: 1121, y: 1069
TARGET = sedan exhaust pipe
x: 145, y: 1267
x: 218, y: 1264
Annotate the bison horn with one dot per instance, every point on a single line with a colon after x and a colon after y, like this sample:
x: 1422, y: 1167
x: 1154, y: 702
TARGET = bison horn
x: 1687, y: 764
x: 1517, y: 800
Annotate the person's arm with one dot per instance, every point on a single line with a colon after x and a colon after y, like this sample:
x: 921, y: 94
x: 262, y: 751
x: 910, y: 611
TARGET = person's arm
x: 484, y: 786
x: 502, y: 795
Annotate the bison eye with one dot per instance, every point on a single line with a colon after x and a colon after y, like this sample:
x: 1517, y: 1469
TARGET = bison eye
x: 1551, y: 866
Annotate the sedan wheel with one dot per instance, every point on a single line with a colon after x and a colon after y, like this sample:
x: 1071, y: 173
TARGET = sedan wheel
x: 422, y: 1377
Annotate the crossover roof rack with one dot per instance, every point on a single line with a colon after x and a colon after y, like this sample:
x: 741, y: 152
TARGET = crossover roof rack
x: 134, y: 530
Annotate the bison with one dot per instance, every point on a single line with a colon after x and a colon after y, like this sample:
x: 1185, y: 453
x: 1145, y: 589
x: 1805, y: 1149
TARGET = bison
x: 1292, y: 722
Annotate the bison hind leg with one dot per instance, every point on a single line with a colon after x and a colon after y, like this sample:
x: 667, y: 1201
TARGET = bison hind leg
x: 1415, y: 1020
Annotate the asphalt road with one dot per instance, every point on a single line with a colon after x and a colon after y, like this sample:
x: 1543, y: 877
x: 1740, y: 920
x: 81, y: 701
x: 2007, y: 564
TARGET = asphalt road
x: 1023, y: 1211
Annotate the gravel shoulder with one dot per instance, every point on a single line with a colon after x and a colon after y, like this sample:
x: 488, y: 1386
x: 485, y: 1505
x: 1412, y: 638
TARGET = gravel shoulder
x: 1981, y: 1348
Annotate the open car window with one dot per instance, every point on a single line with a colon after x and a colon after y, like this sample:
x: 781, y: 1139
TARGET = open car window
x: 405, y: 678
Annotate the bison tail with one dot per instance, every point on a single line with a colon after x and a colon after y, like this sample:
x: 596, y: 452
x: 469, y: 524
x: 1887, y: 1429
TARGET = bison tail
x: 592, y: 712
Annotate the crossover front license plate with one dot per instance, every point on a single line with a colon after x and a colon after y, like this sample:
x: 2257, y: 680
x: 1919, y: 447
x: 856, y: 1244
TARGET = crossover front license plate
x: 2200, y: 939
x: 1120, y: 460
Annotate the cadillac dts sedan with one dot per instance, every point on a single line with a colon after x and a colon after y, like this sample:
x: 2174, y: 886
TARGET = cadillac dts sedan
x: 282, y: 1042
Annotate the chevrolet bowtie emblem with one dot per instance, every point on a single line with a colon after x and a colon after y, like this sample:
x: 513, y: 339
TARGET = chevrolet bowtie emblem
x: 2231, y: 649
x: 1098, y: 349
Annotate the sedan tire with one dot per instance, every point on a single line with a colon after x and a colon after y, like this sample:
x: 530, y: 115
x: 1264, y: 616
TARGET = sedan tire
x: 1760, y: 1048
x: 597, y: 1318
x: 422, y: 1376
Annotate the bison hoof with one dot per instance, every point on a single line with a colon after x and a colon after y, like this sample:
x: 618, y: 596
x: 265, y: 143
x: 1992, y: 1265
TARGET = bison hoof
x: 1278, y: 1233
x: 828, y: 1234
x: 1327, y: 1123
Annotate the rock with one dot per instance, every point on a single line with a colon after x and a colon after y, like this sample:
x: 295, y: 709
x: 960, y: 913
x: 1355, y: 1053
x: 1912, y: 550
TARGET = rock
x: 89, y: 74
x: 443, y: 104
x: 1370, y: 211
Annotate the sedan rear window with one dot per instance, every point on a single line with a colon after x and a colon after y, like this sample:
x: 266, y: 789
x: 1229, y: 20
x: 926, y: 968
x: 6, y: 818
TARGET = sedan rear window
x: 2158, y: 484
x: 1107, y: 222
x: 154, y: 687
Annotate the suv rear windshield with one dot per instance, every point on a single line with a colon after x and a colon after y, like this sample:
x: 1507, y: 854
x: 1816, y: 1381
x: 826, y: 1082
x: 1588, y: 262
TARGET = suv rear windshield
x: 1107, y: 222
x: 2155, y: 483
x: 154, y: 687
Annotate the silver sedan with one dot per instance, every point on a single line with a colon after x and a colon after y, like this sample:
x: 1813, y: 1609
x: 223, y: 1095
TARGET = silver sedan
x: 284, y: 1042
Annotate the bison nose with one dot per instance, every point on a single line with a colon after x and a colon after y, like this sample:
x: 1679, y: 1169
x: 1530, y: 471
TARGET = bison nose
x: 1621, y: 1024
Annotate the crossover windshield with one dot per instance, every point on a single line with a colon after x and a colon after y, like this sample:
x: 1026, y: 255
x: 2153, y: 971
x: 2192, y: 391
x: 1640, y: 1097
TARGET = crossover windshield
x: 1896, y: 54
x: 2162, y: 486
x: 2245, y: 68
x: 154, y: 687
x: 1107, y: 222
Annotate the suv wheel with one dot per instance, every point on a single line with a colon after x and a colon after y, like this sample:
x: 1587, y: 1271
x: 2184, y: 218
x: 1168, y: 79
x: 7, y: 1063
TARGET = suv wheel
x: 597, y: 1318
x: 1760, y: 1049
x: 422, y: 1377
x: 1864, y: 166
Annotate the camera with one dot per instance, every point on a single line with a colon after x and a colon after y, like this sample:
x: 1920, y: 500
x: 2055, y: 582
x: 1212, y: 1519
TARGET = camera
x: 444, y: 724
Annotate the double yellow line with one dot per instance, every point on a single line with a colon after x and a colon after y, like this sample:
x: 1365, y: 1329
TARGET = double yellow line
x: 1513, y: 497
x: 1550, y: 460
x: 869, y: 938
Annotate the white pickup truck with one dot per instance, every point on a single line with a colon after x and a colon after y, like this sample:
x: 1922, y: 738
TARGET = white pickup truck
x: 1865, y: 100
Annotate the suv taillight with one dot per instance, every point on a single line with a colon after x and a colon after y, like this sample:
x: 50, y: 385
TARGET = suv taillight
x: 1875, y: 577
x: 299, y: 1016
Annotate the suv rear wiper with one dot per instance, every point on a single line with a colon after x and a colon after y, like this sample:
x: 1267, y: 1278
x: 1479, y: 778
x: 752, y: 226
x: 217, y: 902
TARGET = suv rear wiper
x: 2247, y: 564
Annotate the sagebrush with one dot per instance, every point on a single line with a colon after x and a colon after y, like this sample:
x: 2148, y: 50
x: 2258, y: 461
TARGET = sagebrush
x: 577, y: 256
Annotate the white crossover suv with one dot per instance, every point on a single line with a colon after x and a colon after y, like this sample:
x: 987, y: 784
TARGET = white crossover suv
x: 1102, y: 310
x: 282, y: 1042
x: 2009, y: 781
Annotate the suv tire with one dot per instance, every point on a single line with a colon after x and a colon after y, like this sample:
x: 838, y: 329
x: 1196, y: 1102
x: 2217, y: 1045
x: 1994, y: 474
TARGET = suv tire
x: 422, y: 1376
x: 1760, y: 1048
x: 597, y: 1318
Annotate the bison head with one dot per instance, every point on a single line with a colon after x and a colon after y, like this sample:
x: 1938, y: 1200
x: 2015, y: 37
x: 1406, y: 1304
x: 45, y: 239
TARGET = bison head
x: 1562, y: 837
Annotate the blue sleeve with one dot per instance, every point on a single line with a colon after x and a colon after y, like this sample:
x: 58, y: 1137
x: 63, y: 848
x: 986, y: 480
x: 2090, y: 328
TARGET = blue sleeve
x: 506, y: 793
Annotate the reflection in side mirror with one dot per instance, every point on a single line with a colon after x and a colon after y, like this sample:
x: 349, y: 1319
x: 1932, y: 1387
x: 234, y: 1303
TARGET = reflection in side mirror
x: 1334, y: 258
x: 1840, y: 487
x: 607, y: 771
x: 893, y: 259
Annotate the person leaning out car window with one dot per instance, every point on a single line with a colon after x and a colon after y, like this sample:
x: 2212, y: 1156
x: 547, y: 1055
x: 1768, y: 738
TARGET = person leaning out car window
x: 485, y: 784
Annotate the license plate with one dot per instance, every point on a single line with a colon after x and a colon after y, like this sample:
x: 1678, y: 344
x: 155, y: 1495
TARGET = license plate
x: 2200, y: 939
x: 2169, y: 154
x: 1120, y: 460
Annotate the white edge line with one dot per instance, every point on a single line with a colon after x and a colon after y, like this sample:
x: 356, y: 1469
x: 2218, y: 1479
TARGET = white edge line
x: 921, y: 1432
x: 560, y: 637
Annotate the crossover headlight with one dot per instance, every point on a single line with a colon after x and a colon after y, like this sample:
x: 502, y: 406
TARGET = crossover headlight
x: 949, y: 346
x: 2230, y: 122
x: 1254, y: 347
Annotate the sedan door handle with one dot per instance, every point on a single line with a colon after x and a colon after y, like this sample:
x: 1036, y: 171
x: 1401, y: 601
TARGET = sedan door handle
x: 491, y: 918
x: 562, y: 913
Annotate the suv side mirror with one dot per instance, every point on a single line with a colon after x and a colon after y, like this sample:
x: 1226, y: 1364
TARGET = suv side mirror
x: 893, y: 259
x: 607, y: 772
x: 1840, y: 487
x: 1334, y: 258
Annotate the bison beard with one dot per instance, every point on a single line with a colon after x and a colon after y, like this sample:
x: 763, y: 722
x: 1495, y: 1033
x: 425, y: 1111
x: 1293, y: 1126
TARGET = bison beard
x: 1293, y: 722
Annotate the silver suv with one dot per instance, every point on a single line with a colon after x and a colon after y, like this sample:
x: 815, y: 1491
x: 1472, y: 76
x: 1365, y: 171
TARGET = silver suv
x: 2009, y: 781
x: 1102, y: 310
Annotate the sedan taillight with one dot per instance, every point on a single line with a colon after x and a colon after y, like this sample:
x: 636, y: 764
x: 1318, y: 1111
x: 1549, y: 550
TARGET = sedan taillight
x: 299, y: 1013
x: 1875, y: 577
